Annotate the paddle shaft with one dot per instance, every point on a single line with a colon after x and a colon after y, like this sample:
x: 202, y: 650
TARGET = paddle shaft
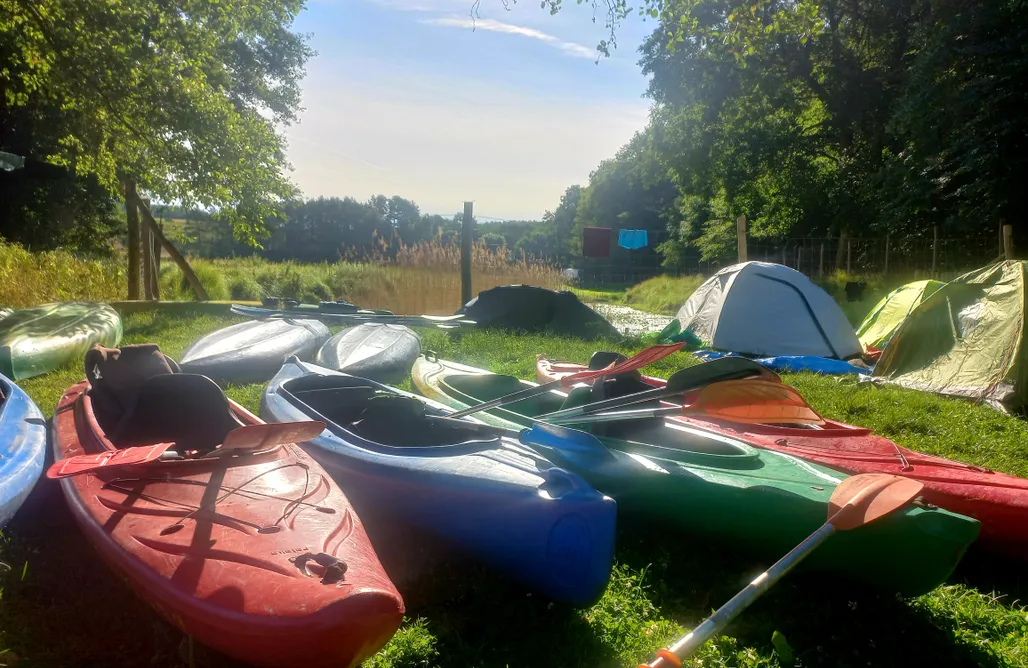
x: 730, y: 610
x: 637, y: 361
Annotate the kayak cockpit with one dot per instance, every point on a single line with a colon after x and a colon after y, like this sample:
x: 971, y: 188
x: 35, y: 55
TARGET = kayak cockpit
x: 370, y: 417
x: 652, y: 437
x: 137, y: 397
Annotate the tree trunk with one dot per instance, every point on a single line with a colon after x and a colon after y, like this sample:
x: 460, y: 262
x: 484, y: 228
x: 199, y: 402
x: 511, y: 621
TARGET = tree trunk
x: 132, y: 218
x: 180, y: 260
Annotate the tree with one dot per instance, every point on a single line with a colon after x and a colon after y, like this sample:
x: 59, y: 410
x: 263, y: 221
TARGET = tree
x: 183, y: 97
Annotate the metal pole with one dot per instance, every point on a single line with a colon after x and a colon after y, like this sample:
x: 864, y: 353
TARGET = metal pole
x: 886, y: 254
x: 465, y: 252
x: 740, y: 229
x: 935, y: 247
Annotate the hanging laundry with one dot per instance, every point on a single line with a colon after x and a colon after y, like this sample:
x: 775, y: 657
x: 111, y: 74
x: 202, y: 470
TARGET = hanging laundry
x: 633, y: 239
x: 596, y: 241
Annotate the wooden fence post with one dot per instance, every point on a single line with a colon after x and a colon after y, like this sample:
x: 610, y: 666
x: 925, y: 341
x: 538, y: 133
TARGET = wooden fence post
x: 935, y: 247
x: 849, y: 248
x: 799, y: 251
x: 151, y: 260
x: 821, y: 262
x: 740, y: 230
x: 1008, y: 241
x: 132, y: 218
x: 465, y: 252
x: 180, y: 260
x: 886, y: 270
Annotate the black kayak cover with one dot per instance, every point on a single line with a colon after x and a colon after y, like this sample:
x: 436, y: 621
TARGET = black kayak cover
x: 528, y: 308
x: 253, y: 352
x: 380, y: 352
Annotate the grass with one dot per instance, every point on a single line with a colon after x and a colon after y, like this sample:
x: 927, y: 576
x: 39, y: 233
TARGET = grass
x: 459, y: 614
x: 28, y: 279
x: 424, y: 278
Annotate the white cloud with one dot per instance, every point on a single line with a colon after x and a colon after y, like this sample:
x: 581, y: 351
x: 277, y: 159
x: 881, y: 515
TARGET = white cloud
x: 492, y: 25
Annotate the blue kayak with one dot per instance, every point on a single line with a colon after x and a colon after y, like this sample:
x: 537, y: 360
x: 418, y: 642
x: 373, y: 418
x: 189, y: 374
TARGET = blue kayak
x: 488, y: 495
x: 22, y: 447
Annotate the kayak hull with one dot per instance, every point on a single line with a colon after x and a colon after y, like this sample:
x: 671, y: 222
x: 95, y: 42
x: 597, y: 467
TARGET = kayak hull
x: 224, y: 576
x: 252, y: 352
x: 376, y: 351
x: 497, y: 501
x: 998, y: 500
x: 22, y: 448
x: 37, y: 340
x: 761, y: 501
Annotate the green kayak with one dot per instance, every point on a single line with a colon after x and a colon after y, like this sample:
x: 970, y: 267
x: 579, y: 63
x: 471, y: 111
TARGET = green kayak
x: 36, y: 340
x: 711, y: 485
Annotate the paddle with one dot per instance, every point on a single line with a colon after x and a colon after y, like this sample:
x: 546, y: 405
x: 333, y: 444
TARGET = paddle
x: 238, y: 441
x: 680, y: 382
x: 267, y: 435
x: 648, y: 356
x: 109, y: 459
x: 750, y: 400
x: 858, y: 500
x: 565, y: 441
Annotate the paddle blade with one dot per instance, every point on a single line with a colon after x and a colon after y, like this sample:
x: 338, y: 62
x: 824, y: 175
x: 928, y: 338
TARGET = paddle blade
x: 866, y: 497
x: 571, y: 443
x: 753, y: 400
x: 107, y: 460
x: 638, y: 361
x: 264, y: 436
x: 721, y: 369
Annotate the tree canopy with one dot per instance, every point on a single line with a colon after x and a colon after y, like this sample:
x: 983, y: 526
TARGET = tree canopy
x: 185, y: 98
x: 821, y: 118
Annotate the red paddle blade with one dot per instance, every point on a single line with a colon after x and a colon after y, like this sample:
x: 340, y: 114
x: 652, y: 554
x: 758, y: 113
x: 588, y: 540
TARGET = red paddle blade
x: 268, y: 435
x: 644, y: 358
x: 866, y: 497
x: 107, y: 460
x: 753, y: 401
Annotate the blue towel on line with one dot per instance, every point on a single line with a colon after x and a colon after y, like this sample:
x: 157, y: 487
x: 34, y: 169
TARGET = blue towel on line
x: 632, y: 239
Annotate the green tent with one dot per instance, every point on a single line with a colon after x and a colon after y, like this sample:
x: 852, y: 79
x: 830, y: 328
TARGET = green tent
x: 886, y: 316
x: 966, y: 340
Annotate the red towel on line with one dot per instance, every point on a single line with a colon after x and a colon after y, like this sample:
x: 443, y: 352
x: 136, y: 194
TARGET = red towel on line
x: 596, y: 241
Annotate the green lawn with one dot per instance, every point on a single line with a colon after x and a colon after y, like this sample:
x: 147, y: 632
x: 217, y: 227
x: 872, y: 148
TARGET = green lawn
x: 59, y: 606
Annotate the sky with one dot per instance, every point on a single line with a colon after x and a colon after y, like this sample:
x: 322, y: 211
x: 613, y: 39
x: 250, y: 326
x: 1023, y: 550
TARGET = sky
x: 415, y: 98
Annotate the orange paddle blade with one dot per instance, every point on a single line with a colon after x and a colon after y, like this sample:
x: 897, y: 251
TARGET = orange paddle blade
x: 753, y: 400
x: 268, y: 435
x: 866, y: 497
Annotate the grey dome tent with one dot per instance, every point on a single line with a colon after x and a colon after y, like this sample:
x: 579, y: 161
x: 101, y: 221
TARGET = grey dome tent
x: 765, y: 309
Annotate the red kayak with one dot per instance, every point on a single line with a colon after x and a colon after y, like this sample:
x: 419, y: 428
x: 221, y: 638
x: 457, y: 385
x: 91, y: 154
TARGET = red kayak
x: 230, y: 532
x: 999, y: 501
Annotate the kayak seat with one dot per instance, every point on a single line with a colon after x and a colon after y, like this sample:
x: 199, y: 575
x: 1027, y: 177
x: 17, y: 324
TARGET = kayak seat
x: 139, y: 397
x: 116, y: 375
x: 349, y: 405
x: 183, y: 408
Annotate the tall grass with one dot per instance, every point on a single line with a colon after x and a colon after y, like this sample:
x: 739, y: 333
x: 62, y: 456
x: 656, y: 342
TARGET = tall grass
x: 423, y: 278
x: 27, y: 279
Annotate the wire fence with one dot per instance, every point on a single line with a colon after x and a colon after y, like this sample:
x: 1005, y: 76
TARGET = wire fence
x: 915, y: 257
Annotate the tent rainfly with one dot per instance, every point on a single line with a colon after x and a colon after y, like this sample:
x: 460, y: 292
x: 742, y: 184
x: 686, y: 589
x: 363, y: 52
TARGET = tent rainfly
x: 882, y: 320
x: 763, y: 309
x: 966, y: 340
